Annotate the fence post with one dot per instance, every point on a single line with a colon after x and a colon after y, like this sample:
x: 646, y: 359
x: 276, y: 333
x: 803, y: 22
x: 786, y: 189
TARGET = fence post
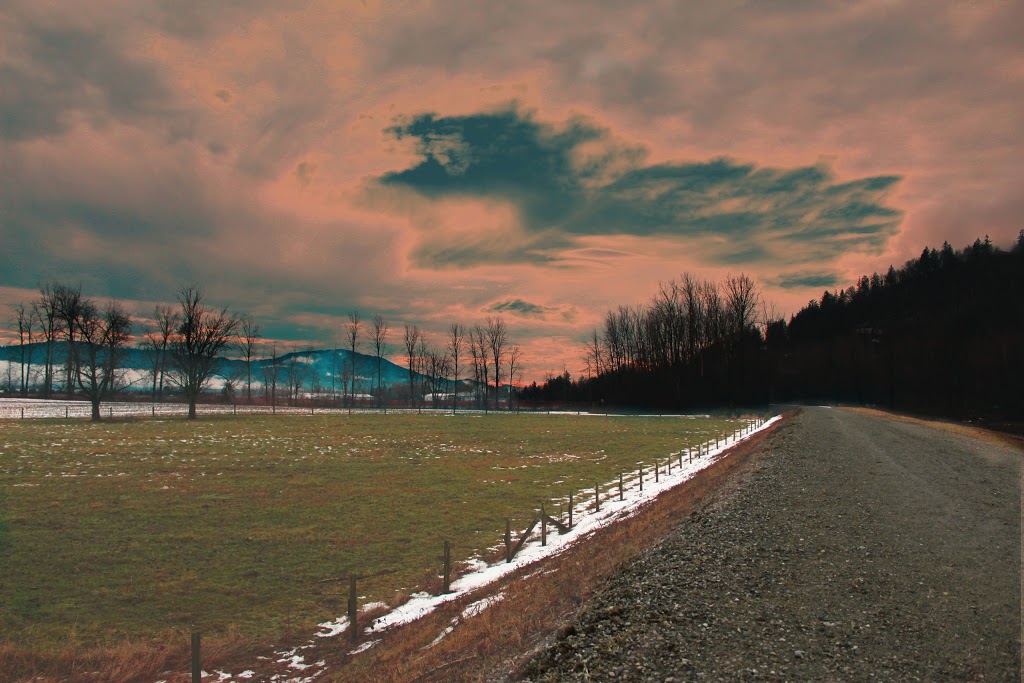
x: 621, y: 493
x: 543, y: 526
x: 197, y: 669
x: 153, y: 410
x: 23, y: 413
x: 570, y: 509
x: 640, y: 473
x: 597, y: 497
x: 508, y: 539
x: 656, y: 471
x: 669, y: 464
x: 447, y: 566
x: 352, y: 613
x: 65, y: 412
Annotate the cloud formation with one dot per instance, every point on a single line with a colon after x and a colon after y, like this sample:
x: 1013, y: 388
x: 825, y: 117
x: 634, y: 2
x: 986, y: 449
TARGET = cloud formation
x: 574, y: 180
x: 302, y: 158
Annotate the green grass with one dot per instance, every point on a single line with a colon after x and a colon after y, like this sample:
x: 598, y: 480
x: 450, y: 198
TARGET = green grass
x: 128, y: 529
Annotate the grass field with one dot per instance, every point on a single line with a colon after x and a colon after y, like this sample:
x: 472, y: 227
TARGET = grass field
x: 134, y: 529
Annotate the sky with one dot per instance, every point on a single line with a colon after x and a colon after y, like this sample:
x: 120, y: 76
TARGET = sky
x: 542, y: 161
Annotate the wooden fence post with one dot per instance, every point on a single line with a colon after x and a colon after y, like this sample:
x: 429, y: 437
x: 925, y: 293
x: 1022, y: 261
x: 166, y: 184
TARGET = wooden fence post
x: 669, y: 463
x: 508, y: 539
x: 543, y: 526
x: 621, y: 492
x: 197, y: 669
x: 640, y: 474
x: 656, y: 471
x: 352, y: 613
x: 447, y: 566
x: 23, y: 413
x: 65, y: 412
x: 597, y: 497
x: 570, y: 509
x: 153, y: 410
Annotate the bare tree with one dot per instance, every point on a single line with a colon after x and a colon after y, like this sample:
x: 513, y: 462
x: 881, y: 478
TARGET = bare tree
x: 102, y: 341
x: 24, y: 321
x: 352, y: 330
x: 456, y: 343
x: 422, y: 367
x: 69, y: 307
x: 478, y: 343
x: 270, y: 376
x: 158, y: 340
x: 296, y: 373
x: 513, y: 366
x: 497, y: 339
x: 201, y: 335
x: 49, y: 323
x: 741, y: 301
x: 380, y: 334
x: 412, y: 338
x: 247, y: 342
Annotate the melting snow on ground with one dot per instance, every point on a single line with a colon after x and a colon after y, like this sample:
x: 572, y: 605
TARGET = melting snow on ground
x: 587, y: 521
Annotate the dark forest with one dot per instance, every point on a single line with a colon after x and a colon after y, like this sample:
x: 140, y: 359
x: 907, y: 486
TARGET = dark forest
x: 941, y: 335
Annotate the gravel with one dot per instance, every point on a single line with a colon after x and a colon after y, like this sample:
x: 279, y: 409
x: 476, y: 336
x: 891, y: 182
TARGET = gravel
x: 853, y: 548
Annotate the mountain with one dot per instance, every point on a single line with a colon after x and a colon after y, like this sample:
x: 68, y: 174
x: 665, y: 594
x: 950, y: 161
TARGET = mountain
x: 318, y: 368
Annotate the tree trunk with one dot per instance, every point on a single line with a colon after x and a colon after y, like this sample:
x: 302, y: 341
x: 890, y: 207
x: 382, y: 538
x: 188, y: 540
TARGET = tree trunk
x: 95, y: 410
x: 192, y: 408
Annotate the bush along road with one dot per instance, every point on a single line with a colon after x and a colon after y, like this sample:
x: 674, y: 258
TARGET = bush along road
x: 856, y: 547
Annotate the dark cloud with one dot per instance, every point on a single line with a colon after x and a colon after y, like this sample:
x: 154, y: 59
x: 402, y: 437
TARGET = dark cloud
x: 517, y: 306
x: 564, y: 191
x: 801, y: 280
x: 49, y: 71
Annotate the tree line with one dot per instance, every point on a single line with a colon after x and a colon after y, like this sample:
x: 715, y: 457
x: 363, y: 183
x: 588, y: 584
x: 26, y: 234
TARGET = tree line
x: 185, y: 345
x: 943, y: 334
x: 696, y: 343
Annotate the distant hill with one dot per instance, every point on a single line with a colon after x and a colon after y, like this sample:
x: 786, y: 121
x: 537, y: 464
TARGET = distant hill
x: 320, y: 366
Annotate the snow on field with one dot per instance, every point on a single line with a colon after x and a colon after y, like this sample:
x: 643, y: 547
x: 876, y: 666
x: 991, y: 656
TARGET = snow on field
x: 587, y: 522
x: 31, y: 408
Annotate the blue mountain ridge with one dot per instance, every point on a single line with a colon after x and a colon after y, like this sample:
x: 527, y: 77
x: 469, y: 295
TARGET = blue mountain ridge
x: 319, y: 364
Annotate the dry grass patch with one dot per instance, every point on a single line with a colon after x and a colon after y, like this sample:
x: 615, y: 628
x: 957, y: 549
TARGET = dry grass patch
x: 980, y: 433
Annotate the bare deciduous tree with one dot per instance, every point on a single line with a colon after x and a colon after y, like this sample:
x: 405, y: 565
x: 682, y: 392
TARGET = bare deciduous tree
x: 352, y: 331
x: 201, y: 335
x: 497, y: 339
x: 514, y: 355
x: 456, y: 343
x: 270, y: 376
x: 102, y: 341
x: 158, y: 340
x: 412, y: 338
x: 478, y: 345
x: 380, y: 334
x: 69, y: 307
x: 24, y: 321
x: 249, y: 338
x: 49, y: 323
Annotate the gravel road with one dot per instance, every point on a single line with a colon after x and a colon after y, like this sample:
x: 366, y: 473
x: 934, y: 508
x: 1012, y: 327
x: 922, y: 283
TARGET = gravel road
x: 854, y: 548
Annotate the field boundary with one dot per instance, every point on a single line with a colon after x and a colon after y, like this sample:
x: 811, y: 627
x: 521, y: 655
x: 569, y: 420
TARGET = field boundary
x: 338, y: 645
